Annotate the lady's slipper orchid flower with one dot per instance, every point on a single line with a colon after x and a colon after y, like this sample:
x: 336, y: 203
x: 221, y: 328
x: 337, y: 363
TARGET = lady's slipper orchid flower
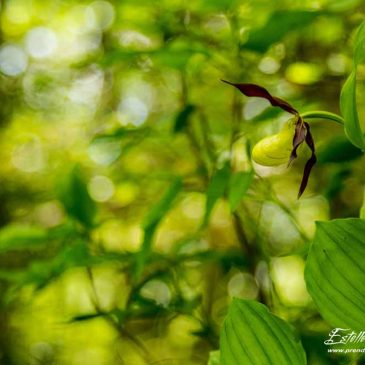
x: 274, y: 150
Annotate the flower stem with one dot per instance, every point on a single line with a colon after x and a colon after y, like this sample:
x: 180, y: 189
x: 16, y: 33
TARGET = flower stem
x: 320, y: 114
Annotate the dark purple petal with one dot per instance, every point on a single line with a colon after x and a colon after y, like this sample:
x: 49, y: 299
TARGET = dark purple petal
x: 260, y: 92
x: 310, y: 163
x: 298, y: 139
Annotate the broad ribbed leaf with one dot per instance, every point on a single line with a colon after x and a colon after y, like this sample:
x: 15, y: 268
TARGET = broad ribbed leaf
x: 335, y: 272
x: 252, y: 335
x: 348, y: 94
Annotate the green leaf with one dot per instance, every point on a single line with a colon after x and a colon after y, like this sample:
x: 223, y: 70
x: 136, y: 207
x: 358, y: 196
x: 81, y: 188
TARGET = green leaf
x: 278, y: 25
x: 76, y: 199
x: 151, y: 222
x: 362, y: 210
x: 216, y: 189
x: 348, y: 94
x: 342, y: 5
x: 337, y: 150
x: 41, y: 272
x: 252, y: 335
x: 177, y: 53
x: 214, y: 358
x: 217, y: 4
x: 18, y: 237
x: 182, y: 118
x: 335, y: 272
x: 349, y: 111
x: 336, y: 183
x: 238, y: 186
x: 159, y: 210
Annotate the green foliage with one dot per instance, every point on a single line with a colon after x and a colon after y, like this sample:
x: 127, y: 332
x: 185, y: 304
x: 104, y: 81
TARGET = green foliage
x: 152, y: 220
x: 362, y: 210
x: 214, y: 358
x: 238, y: 186
x: 17, y: 237
x: 182, y: 118
x: 76, y: 199
x: 216, y: 189
x: 348, y: 94
x: 338, y: 150
x: 277, y: 26
x: 253, y: 335
x: 119, y: 141
x: 335, y: 274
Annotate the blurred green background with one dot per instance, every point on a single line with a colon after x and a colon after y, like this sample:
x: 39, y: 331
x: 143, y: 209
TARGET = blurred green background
x: 113, y: 120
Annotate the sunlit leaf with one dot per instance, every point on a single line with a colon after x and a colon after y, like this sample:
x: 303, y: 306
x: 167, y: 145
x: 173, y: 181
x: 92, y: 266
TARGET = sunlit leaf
x: 252, y: 335
x: 76, y: 198
x: 214, y: 358
x: 349, y: 112
x: 159, y: 210
x: 303, y: 73
x: 238, y: 186
x: 218, y: 4
x: 151, y: 222
x: 16, y: 237
x: 277, y: 26
x: 362, y: 210
x: 41, y: 272
x: 335, y: 273
x: 342, y: 5
x: 216, y: 189
x: 348, y: 94
x: 177, y: 57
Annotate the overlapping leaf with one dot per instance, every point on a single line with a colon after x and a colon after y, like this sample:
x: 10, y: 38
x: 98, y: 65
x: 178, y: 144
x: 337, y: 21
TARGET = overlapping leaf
x: 335, y: 272
x: 348, y: 94
x: 252, y: 335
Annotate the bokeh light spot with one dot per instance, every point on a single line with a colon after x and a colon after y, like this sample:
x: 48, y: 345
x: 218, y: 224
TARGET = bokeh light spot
x: 13, y: 60
x: 41, y: 42
x: 100, y: 14
x: 132, y: 110
x: 157, y: 291
x: 243, y: 285
x: 101, y: 188
x: 29, y: 156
